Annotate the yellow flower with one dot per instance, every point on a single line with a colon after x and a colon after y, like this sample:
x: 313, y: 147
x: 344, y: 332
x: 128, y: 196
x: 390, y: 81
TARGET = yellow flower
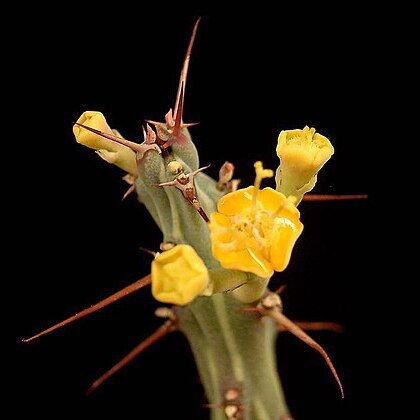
x: 179, y: 275
x: 302, y: 154
x: 111, y: 151
x: 255, y: 230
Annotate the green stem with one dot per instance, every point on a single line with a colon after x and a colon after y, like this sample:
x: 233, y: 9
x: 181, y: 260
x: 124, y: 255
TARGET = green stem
x: 234, y: 349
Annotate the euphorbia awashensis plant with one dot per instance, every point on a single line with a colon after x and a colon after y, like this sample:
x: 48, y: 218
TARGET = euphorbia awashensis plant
x: 220, y: 246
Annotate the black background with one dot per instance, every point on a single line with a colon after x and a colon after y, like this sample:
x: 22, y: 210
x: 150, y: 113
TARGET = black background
x: 252, y: 74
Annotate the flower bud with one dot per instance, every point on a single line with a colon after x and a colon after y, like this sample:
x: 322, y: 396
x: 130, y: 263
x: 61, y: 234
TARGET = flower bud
x: 111, y: 151
x: 302, y: 154
x: 179, y: 275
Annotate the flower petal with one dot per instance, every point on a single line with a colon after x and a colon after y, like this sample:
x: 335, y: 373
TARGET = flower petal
x: 235, y: 202
x: 234, y: 250
x: 271, y: 199
x: 246, y: 259
x: 220, y: 219
x: 284, y: 237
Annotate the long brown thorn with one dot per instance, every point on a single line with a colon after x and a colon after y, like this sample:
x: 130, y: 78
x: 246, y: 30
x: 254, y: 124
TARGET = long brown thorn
x: 280, y: 290
x: 178, y: 111
x: 315, y: 326
x: 184, y: 71
x: 299, y: 333
x: 139, y: 284
x: 331, y: 197
x: 203, y: 214
x: 133, y: 146
x: 164, y: 329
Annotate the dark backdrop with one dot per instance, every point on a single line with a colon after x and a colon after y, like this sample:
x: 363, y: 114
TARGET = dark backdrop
x: 252, y: 74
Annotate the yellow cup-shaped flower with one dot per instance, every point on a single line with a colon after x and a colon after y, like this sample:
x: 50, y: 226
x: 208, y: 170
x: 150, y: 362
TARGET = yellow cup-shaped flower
x: 302, y: 154
x: 111, y: 151
x: 254, y: 231
x: 179, y: 275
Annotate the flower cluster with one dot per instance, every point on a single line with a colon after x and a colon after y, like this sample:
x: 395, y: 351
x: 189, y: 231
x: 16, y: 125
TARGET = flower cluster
x: 253, y: 230
x: 220, y: 246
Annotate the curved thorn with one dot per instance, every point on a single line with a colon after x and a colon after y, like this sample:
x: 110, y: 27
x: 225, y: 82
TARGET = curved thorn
x: 299, y: 333
x: 164, y: 329
x: 139, y: 284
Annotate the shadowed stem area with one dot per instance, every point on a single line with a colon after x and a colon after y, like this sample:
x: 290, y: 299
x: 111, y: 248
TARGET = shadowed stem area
x: 234, y: 350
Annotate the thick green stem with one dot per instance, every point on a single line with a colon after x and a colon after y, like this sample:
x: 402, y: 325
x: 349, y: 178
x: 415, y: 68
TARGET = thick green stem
x: 235, y: 350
